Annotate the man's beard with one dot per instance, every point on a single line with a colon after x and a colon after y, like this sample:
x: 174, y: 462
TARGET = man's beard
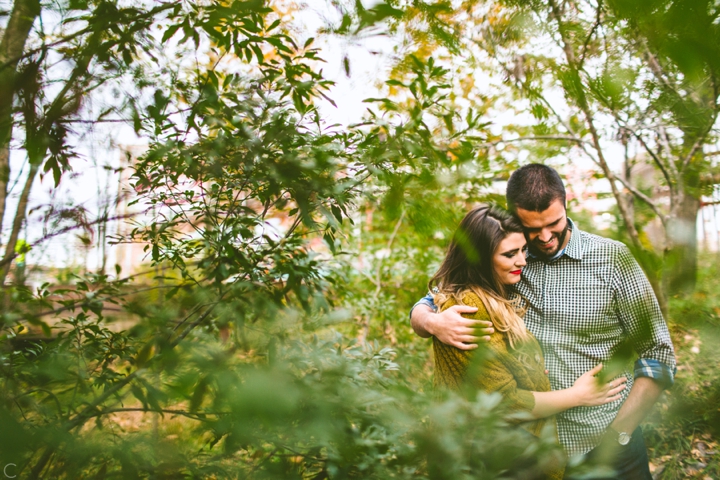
x: 560, y: 240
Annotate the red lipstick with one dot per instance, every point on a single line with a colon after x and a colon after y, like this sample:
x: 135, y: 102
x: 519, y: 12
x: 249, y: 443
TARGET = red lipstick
x: 516, y: 272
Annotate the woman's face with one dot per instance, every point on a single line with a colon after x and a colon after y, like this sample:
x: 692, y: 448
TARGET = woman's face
x: 509, y: 259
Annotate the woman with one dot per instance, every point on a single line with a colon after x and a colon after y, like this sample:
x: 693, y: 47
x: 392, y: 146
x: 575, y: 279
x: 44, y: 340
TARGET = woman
x: 484, y: 260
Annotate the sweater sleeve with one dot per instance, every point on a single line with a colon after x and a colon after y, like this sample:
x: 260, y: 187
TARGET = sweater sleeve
x: 493, y: 373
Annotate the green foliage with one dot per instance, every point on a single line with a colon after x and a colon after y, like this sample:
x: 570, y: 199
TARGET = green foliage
x: 271, y: 339
x: 257, y: 228
x: 683, y: 430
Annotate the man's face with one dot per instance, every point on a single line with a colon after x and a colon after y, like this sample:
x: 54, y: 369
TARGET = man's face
x: 546, y: 231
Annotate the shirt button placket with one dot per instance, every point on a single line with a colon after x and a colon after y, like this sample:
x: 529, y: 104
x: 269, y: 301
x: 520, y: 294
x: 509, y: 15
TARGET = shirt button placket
x: 544, y: 324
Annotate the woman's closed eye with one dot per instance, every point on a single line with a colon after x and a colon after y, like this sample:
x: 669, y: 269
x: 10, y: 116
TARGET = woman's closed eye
x: 514, y: 252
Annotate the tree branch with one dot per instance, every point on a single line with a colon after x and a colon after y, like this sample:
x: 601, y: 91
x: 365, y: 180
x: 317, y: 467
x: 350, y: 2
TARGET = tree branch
x: 195, y: 416
x: 13, y: 60
x: 644, y: 198
x: 585, y: 108
x: 698, y: 143
x: 563, y: 138
x: 657, y: 70
x: 658, y: 161
x: 7, y: 259
x: 591, y: 33
x: 12, y: 45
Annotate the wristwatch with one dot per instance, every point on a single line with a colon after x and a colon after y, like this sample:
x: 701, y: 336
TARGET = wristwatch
x: 623, y: 438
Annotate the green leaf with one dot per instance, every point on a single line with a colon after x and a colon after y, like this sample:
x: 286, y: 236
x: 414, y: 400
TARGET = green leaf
x: 170, y: 31
x: 337, y: 213
x: 144, y: 354
x: 199, y: 394
x: 78, y: 4
x: 139, y: 394
x: 346, y: 65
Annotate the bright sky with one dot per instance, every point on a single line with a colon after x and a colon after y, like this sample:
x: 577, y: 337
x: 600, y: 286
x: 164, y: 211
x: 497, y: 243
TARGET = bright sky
x: 94, y: 180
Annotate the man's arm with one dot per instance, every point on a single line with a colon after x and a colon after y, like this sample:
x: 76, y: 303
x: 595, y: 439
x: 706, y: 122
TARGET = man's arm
x: 643, y: 395
x: 449, y: 326
x: 643, y: 321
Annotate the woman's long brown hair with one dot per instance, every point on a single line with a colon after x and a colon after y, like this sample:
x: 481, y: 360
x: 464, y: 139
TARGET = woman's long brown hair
x: 468, y: 266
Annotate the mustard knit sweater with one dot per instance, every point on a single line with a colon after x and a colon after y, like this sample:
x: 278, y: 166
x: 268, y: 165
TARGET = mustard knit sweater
x: 515, y: 373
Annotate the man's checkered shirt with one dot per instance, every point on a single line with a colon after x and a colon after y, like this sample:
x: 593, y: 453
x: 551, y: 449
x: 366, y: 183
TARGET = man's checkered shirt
x: 583, y: 306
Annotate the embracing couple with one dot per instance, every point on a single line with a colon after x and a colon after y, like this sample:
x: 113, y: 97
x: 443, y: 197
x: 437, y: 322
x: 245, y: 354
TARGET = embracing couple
x: 551, y: 303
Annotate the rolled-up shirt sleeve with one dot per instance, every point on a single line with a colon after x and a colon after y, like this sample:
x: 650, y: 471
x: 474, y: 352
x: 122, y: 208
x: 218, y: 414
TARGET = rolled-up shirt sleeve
x: 426, y: 300
x: 658, y: 371
x: 641, y: 317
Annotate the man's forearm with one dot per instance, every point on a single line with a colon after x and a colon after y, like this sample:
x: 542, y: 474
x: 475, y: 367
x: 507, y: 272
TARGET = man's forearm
x: 642, y: 397
x: 421, y: 320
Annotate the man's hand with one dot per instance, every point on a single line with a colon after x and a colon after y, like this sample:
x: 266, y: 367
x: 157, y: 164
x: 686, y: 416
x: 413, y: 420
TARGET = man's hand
x: 450, y: 327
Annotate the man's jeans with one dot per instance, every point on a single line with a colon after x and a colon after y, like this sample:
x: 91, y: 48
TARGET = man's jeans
x: 611, y: 461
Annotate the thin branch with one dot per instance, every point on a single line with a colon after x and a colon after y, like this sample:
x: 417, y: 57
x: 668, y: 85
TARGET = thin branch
x: 22, y: 412
x: 595, y: 26
x: 644, y: 198
x: 574, y: 137
x: 195, y: 416
x: 42, y: 462
x: 658, y: 161
x: 658, y: 71
x: 44, y: 390
x: 73, y: 36
x: 113, y: 120
x: 270, y: 455
x: 93, y: 122
x: 368, y: 276
x: 20, y: 215
x: 197, y: 322
x: 189, y: 315
x: 699, y: 142
x: 378, y: 283
x: 11, y: 257
x: 668, y: 151
x: 565, y: 138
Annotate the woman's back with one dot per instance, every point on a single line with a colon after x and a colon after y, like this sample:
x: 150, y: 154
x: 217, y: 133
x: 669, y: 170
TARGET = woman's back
x: 515, y: 373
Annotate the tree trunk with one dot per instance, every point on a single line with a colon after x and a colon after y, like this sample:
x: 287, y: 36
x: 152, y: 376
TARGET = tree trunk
x: 20, y: 215
x: 680, y: 273
x: 12, y: 47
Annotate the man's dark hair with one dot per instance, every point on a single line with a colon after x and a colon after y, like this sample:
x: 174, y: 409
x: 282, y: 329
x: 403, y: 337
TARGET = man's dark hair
x: 534, y: 187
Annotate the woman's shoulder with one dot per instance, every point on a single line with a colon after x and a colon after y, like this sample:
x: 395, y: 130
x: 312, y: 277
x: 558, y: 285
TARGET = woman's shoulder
x: 471, y: 299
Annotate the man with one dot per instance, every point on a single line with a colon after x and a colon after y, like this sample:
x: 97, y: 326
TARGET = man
x: 587, y: 298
